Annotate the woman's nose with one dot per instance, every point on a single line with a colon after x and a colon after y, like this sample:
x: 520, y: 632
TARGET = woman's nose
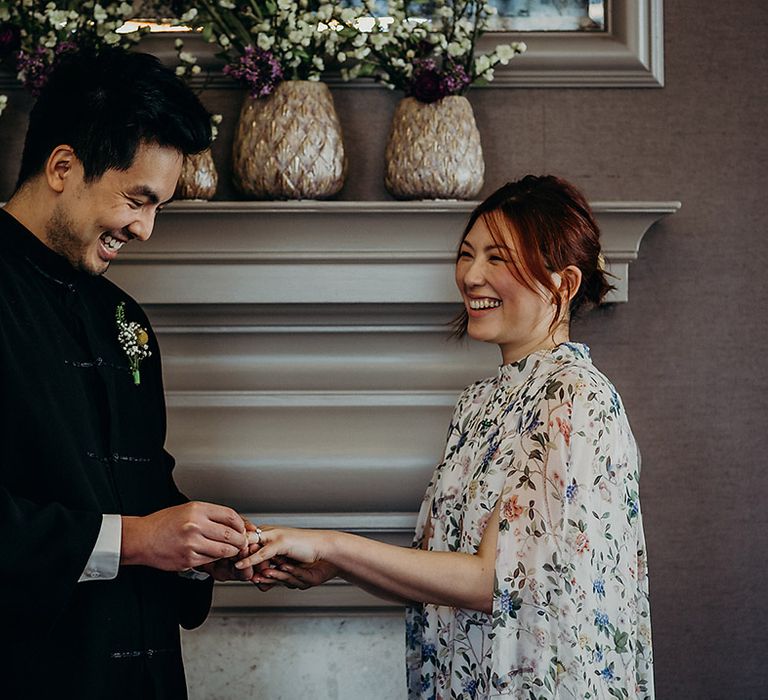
x: 474, y: 275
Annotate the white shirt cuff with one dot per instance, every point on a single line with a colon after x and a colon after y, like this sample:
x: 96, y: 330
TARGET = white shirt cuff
x: 104, y: 561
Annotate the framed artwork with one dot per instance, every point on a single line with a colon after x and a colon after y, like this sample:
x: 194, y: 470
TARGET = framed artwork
x: 550, y: 15
x: 581, y: 43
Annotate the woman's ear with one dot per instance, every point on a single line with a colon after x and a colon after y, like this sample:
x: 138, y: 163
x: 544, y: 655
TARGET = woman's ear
x: 571, y: 281
x: 568, y: 281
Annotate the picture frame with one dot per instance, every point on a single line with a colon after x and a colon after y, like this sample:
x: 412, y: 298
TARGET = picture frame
x: 629, y: 53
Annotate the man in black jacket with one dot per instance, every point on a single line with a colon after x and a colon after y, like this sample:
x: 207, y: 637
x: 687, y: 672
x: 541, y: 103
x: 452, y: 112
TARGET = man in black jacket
x: 97, y: 545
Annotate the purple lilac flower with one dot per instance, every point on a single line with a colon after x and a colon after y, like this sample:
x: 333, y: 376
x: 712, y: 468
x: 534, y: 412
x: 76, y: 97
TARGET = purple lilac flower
x: 258, y: 69
x: 36, y: 66
x: 455, y: 78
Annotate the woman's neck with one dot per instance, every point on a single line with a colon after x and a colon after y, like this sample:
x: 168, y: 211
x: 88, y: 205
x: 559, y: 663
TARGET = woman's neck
x: 514, y: 353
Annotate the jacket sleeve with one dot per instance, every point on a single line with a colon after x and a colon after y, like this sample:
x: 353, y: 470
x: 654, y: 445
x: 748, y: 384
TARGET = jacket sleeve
x: 44, y: 551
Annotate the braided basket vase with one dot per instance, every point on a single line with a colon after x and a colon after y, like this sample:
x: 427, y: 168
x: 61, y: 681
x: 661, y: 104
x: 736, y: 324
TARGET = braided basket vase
x: 198, y: 177
x: 434, y: 150
x: 288, y: 145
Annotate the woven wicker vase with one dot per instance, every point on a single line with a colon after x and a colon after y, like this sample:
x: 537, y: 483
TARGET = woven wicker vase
x: 288, y: 145
x: 198, y: 179
x: 434, y: 150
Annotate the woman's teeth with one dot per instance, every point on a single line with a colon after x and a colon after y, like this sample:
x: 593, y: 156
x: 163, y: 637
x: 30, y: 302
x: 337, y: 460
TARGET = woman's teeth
x: 477, y: 304
x: 111, y: 243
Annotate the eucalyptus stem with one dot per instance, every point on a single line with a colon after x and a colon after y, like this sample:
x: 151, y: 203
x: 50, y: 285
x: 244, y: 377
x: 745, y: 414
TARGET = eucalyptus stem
x: 255, y: 6
x: 221, y: 23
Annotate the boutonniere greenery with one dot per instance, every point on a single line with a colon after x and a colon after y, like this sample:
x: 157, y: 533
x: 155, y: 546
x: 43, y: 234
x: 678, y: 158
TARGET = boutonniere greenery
x: 134, y: 340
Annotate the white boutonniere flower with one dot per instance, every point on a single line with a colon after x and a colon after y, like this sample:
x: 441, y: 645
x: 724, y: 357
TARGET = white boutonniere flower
x: 134, y: 340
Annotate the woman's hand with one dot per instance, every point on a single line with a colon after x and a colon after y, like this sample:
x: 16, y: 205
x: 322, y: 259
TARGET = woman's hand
x: 303, y: 546
x: 292, y: 574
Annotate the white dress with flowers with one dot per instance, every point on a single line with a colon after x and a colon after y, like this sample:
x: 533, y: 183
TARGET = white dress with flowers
x: 549, y: 438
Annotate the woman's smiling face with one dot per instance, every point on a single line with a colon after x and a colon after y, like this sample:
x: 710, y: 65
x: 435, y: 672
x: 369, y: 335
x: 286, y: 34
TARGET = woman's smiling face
x: 501, y: 308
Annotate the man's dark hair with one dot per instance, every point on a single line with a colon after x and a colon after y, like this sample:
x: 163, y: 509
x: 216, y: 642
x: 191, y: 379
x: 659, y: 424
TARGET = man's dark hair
x: 105, y: 106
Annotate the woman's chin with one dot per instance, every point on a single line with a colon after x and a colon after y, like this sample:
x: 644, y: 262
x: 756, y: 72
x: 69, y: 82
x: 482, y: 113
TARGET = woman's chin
x: 481, y: 335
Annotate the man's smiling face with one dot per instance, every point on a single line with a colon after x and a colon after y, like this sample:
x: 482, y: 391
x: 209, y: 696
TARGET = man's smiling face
x: 91, y: 221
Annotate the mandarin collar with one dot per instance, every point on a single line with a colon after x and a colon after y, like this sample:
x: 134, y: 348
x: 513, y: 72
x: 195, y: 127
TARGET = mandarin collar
x: 515, y: 373
x: 17, y: 238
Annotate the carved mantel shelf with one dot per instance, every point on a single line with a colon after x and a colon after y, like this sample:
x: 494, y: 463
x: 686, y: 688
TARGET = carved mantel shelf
x: 307, y: 373
x: 331, y: 252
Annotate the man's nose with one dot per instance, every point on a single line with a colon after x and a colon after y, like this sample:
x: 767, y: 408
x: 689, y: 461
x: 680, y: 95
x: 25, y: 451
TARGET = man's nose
x: 142, y: 226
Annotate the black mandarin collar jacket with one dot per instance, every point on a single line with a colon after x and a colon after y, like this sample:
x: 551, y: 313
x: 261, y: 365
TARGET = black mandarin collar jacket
x: 77, y: 439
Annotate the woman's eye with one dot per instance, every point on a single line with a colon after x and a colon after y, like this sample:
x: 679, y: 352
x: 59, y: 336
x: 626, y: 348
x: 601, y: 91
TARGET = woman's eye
x: 465, y: 254
x: 496, y: 258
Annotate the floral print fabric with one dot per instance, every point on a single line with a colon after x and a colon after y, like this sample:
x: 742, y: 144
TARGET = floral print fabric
x: 548, y: 439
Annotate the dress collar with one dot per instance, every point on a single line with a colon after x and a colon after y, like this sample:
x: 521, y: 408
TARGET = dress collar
x: 562, y: 354
x: 17, y: 238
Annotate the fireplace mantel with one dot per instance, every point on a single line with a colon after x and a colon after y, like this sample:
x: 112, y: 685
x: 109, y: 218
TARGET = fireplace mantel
x: 342, y: 252
x: 307, y: 373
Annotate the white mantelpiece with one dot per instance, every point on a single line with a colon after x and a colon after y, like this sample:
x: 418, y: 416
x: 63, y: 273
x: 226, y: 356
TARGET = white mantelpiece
x: 331, y: 252
x: 308, y: 376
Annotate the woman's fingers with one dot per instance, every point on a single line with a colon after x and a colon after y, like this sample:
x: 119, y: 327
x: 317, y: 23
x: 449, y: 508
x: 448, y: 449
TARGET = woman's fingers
x: 288, y: 580
x: 264, y: 554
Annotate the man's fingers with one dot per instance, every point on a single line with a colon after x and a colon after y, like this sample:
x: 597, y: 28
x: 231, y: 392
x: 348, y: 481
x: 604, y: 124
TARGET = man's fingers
x: 223, y: 515
x: 217, y: 532
x: 211, y: 551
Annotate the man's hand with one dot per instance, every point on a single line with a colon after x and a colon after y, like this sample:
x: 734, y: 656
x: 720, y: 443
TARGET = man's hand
x: 183, y: 537
x: 224, y: 569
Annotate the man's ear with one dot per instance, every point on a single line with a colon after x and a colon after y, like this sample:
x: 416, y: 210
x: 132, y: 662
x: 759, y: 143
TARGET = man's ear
x: 60, y: 167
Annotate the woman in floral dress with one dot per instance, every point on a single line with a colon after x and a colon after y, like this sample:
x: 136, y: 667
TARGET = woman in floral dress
x: 527, y: 578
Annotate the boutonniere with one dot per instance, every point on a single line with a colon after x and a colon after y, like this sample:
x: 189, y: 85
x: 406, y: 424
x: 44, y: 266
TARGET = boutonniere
x: 134, y: 340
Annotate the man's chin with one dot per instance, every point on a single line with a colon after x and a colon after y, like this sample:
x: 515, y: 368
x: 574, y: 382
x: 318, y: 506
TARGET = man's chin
x: 92, y: 267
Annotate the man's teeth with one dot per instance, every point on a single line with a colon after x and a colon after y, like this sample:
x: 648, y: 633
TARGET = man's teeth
x: 484, y: 303
x: 111, y: 243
